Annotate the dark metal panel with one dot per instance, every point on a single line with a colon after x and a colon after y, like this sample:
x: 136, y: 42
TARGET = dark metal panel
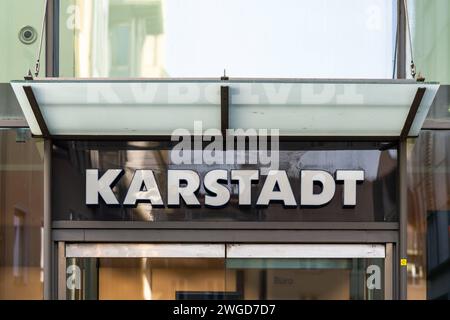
x: 226, y: 225
x: 55, y: 270
x: 403, y: 207
x: 47, y: 241
x: 281, y: 138
x: 36, y: 110
x: 232, y: 80
x: 401, y: 41
x: 224, y: 109
x: 283, y: 145
x: 396, y: 270
x: 68, y: 235
x: 240, y: 236
x: 52, y: 39
x: 412, y: 112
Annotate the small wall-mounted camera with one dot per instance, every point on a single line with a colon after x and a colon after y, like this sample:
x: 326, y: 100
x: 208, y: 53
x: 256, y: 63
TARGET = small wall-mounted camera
x: 27, y: 35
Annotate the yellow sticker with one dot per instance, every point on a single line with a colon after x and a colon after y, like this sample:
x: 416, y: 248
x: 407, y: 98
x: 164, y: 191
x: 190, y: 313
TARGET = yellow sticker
x: 403, y: 262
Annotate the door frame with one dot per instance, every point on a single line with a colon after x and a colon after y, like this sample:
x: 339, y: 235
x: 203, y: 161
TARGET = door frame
x: 226, y: 250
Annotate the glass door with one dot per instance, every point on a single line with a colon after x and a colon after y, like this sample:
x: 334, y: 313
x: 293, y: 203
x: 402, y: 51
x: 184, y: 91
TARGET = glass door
x: 219, y: 271
x: 144, y: 271
x: 311, y: 272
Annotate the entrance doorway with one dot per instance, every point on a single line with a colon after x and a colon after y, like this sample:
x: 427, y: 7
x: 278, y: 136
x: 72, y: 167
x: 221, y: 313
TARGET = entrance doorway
x: 225, y: 271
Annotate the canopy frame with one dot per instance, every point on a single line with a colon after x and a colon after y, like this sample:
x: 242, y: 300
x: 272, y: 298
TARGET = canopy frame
x: 224, y: 122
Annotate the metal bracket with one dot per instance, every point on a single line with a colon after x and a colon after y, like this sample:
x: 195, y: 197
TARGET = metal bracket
x: 224, y: 109
x: 412, y: 113
x: 37, y: 111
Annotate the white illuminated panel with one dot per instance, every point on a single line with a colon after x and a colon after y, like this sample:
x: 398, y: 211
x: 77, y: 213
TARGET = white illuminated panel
x: 143, y: 250
x: 329, y: 109
x: 122, y: 108
x: 305, y: 251
x: 347, y: 108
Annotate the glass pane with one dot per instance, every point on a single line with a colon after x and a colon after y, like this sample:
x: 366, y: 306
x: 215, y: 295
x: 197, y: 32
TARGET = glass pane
x: 253, y: 38
x: 9, y: 107
x: 21, y: 215
x: 144, y: 278
x: 376, y: 196
x: 440, y: 109
x: 428, y: 217
x: 170, y: 279
x: 374, y: 108
x: 307, y: 279
x: 20, y: 31
x: 430, y: 22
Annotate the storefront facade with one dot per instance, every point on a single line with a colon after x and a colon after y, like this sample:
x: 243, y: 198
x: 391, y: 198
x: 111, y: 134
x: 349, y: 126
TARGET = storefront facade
x: 315, y: 203
x: 231, y: 251
x: 223, y: 201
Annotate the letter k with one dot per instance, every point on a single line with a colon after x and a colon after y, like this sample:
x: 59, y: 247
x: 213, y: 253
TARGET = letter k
x: 102, y: 186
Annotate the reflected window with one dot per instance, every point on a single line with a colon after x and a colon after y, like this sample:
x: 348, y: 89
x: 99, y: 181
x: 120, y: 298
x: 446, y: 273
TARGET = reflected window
x: 19, y: 250
x: 9, y: 107
x: 252, y: 38
x: 428, y: 216
x: 439, y: 113
x: 21, y: 215
x: 430, y: 40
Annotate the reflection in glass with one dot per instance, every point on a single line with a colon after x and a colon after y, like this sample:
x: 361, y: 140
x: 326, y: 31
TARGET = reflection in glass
x: 9, y: 107
x: 440, y: 109
x: 20, y: 30
x: 175, y: 278
x: 308, y: 279
x: 253, y: 38
x: 21, y: 216
x: 430, y: 40
x: 19, y: 245
x: 376, y: 196
x: 142, y: 278
x: 429, y: 207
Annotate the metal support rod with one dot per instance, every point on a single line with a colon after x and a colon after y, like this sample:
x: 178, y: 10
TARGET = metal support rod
x: 403, y: 205
x: 47, y: 243
x: 38, y: 57
x: 52, y: 39
x: 224, y: 108
x: 408, y: 29
x: 401, y: 41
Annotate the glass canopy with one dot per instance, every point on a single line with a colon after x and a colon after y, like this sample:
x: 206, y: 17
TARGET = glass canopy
x: 150, y: 107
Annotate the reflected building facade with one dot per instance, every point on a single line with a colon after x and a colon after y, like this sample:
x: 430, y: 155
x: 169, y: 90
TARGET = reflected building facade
x: 21, y: 215
x: 428, y: 224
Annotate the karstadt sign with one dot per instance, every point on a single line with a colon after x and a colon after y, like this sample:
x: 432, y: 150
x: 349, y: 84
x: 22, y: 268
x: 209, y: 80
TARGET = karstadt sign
x: 239, y: 147
x: 182, y: 185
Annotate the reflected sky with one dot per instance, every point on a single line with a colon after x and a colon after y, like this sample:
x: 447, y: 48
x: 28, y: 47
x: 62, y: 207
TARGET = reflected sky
x: 289, y: 38
x: 248, y: 38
